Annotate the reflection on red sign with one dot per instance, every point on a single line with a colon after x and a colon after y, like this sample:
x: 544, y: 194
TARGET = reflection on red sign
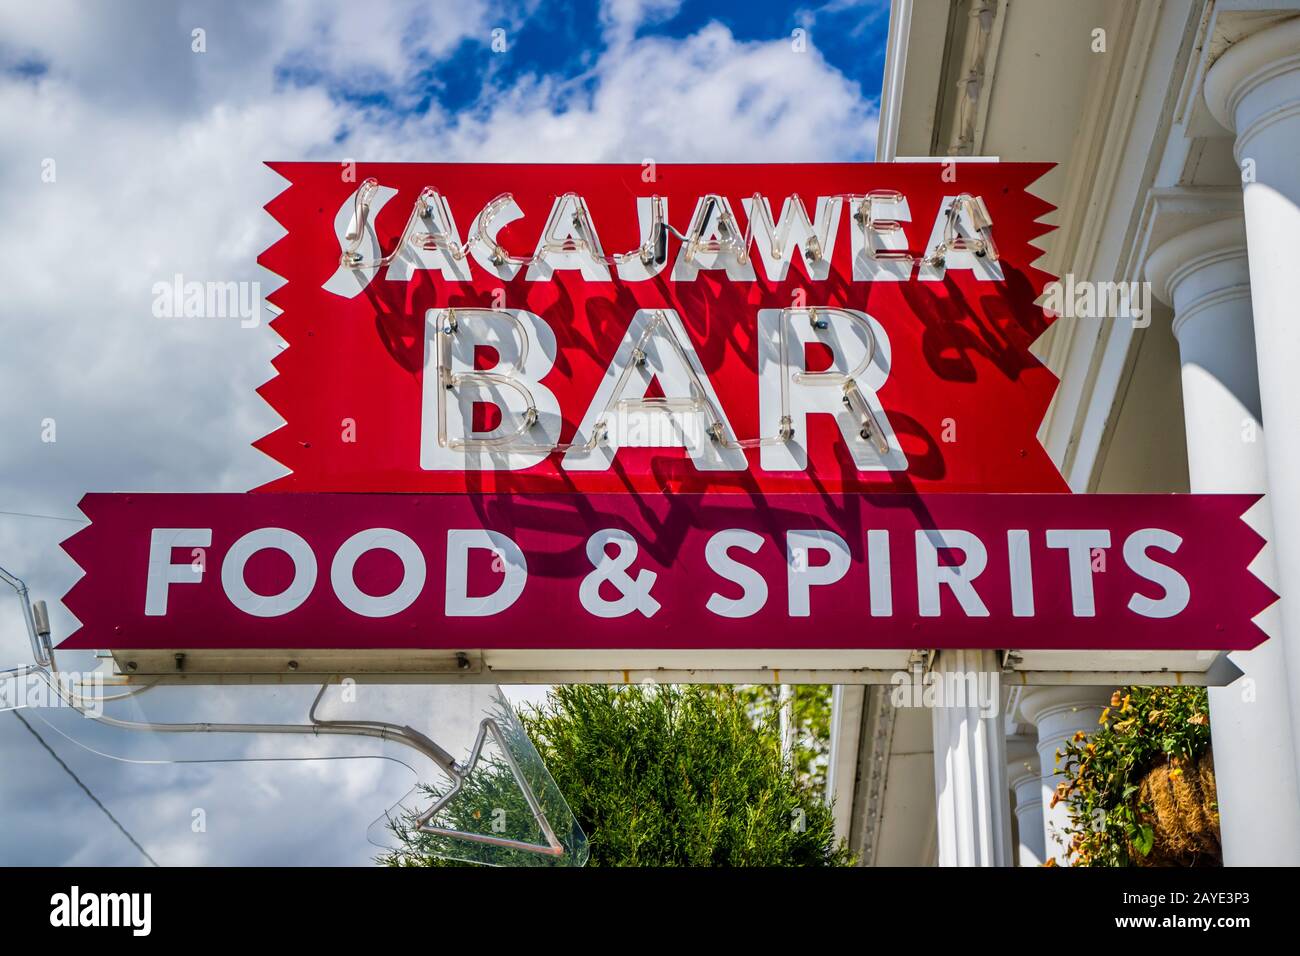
x: 617, y: 571
x: 759, y: 328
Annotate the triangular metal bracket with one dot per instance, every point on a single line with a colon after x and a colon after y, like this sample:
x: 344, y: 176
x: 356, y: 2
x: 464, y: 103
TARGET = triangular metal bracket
x: 459, y: 774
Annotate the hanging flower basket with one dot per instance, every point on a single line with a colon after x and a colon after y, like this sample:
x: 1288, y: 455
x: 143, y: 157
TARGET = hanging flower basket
x: 1178, y: 800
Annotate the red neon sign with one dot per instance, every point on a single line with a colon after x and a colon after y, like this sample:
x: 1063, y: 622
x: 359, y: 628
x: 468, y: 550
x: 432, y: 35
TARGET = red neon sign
x: 758, y: 328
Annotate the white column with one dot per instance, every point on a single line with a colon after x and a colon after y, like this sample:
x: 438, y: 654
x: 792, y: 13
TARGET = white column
x: 970, y: 763
x: 1254, y: 89
x: 1025, y: 780
x: 1058, y: 713
x: 1203, y: 274
x: 847, y: 702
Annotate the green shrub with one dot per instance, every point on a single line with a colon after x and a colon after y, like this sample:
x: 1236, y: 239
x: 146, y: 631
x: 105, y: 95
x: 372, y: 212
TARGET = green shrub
x: 810, y: 705
x: 674, y: 776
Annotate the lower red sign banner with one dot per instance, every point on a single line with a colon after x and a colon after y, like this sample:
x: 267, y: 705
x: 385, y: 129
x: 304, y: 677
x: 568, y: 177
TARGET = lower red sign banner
x: 707, y: 571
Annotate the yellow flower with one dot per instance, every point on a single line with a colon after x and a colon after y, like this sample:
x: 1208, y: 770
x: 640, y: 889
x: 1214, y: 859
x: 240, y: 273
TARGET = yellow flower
x: 1114, y: 699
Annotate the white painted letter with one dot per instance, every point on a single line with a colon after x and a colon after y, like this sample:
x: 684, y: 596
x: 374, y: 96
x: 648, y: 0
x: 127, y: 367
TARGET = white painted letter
x: 369, y: 605
x: 959, y: 577
x: 346, y: 282
x: 755, y: 588
x: 878, y: 568
x: 1022, y: 573
x: 525, y: 347
x: 982, y: 268
x: 1080, y: 545
x: 268, y: 605
x: 846, y: 336
x: 796, y: 236
x: 801, y: 575
x: 569, y: 225
x: 1177, y: 591
x: 682, y: 420
x: 162, y: 572
x: 515, y: 567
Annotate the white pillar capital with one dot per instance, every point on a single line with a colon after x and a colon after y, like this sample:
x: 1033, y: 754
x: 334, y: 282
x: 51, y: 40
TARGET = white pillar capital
x: 1201, y: 268
x: 1062, y: 705
x: 1255, y: 84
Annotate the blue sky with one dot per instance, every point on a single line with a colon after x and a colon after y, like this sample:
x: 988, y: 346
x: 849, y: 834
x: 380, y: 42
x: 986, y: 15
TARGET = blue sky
x: 564, y: 40
x: 141, y: 158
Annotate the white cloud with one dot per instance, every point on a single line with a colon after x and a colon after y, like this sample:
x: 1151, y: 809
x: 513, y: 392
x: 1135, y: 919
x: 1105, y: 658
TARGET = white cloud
x: 146, y: 61
x: 622, y: 18
x: 705, y: 98
x: 158, y: 155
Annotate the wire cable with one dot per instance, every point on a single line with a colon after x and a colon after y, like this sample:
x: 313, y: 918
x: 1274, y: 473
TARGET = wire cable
x: 108, y: 813
x: 26, y: 514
